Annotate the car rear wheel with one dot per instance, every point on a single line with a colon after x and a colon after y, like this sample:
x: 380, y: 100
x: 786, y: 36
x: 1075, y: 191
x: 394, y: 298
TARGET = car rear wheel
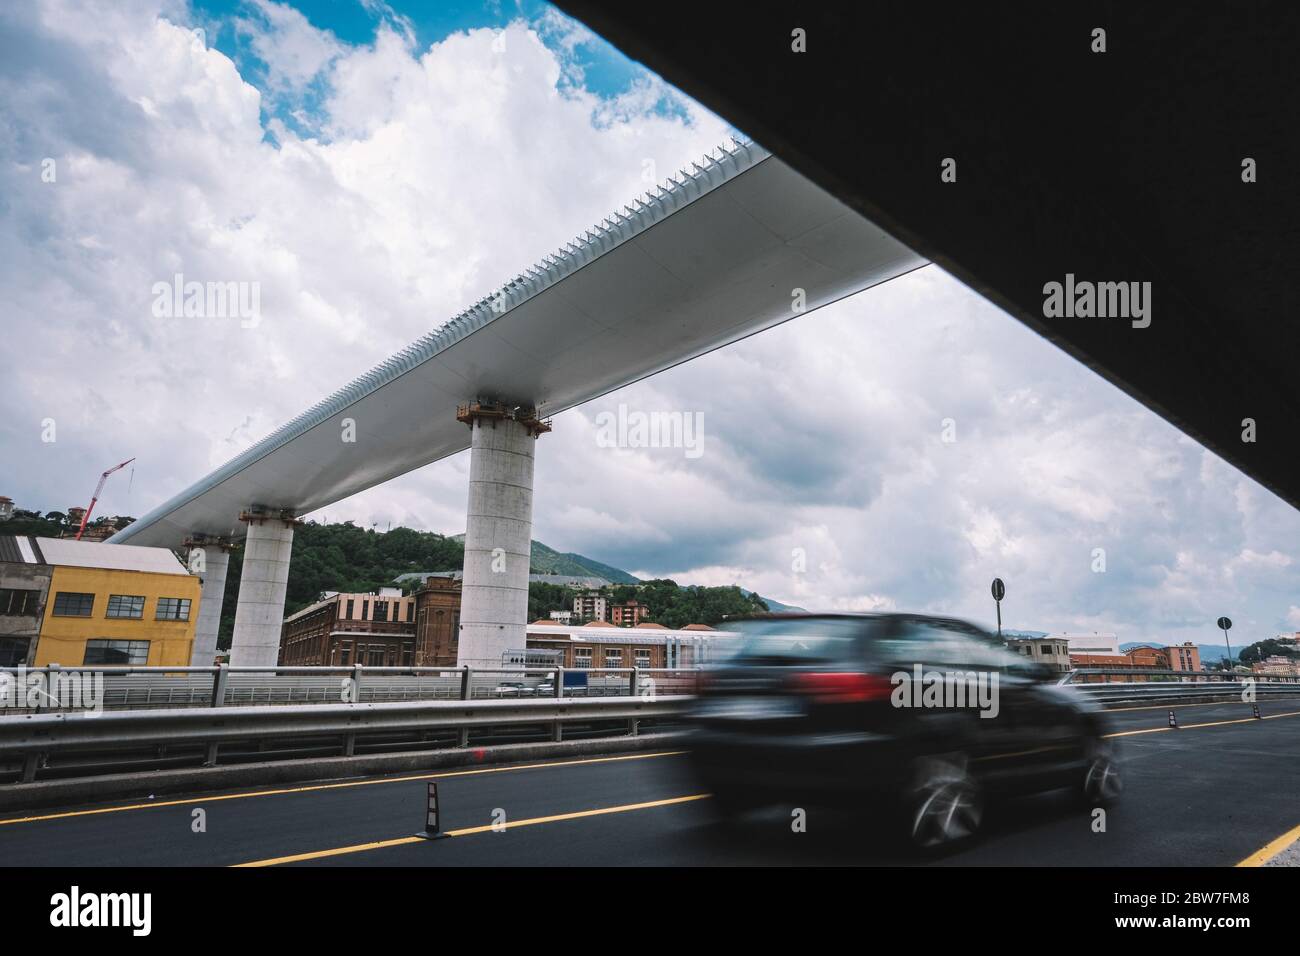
x: 1102, y: 781
x: 944, y: 805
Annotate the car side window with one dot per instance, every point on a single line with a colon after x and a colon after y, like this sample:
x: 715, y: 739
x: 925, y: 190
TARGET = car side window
x: 938, y: 643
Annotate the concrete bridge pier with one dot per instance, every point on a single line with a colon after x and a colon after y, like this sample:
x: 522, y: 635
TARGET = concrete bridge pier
x: 263, y: 583
x: 498, y: 530
x: 209, y: 558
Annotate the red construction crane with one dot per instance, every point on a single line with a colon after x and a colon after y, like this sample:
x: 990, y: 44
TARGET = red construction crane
x: 95, y: 497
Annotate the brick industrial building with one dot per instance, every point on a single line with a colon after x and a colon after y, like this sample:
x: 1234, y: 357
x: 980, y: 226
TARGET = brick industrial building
x: 376, y: 629
x: 422, y: 630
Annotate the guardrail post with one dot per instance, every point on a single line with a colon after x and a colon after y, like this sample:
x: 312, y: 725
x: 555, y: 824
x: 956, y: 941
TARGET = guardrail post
x: 636, y: 686
x: 220, y: 680
x: 357, y: 670
x: 632, y: 690
x: 462, y: 738
x: 557, y: 728
x: 210, y: 758
x: 30, y: 763
x: 49, y: 679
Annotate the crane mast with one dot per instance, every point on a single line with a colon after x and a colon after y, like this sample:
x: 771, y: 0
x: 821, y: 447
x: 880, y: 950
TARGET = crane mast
x: 95, y: 497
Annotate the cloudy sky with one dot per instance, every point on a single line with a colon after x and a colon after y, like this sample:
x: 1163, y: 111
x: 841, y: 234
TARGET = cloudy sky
x: 377, y: 168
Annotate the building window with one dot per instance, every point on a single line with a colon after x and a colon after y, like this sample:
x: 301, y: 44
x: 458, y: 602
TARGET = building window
x: 410, y: 611
x: 125, y: 605
x: 13, y: 651
x: 135, y: 653
x: 351, y: 603
x: 643, y: 657
x: 73, y: 604
x: 18, y: 603
x: 365, y: 610
x: 377, y: 658
x: 582, y: 657
x: 173, y: 609
x: 613, y: 657
x: 381, y: 611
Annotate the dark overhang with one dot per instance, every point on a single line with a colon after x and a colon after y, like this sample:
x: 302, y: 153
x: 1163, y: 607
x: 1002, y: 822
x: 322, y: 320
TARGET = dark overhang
x: 1117, y: 166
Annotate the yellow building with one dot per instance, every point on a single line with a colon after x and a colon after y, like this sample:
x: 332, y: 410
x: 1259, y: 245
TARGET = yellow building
x: 116, y: 604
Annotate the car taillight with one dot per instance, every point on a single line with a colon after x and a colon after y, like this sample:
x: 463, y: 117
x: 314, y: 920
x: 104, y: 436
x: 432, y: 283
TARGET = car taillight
x: 841, y: 687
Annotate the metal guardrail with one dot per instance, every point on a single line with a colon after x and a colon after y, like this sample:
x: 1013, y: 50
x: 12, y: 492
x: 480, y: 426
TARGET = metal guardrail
x: 83, y: 744
x: 1168, y: 691
x: 462, y: 708
x: 145, y: 688
x: 1143, y: 675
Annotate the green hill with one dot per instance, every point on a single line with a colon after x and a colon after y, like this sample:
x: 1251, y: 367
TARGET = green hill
x: 549, y: 561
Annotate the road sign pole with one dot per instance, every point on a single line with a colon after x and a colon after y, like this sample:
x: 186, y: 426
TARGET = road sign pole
x: 999, y: 591
x: 1224, y: 624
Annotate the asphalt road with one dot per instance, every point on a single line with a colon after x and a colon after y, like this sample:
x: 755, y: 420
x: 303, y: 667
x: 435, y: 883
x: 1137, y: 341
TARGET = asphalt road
x: 1216, y: 791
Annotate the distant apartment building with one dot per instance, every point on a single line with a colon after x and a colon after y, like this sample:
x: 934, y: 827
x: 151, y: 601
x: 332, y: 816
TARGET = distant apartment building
x: 1276, y: 665
x: 76, y: 603
x: 1182, y: 657
x: 6, y: 507
x: 1052, y: 651
x: 1095, y: 645
x: 629, y: 614
x: 591, y: 606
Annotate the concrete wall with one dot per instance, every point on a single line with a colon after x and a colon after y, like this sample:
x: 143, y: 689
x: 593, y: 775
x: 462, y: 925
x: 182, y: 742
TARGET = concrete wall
x: 24, y: 628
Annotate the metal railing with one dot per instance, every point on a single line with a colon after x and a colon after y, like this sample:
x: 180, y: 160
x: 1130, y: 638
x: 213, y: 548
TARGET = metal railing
x: 55, y: 689
x: 1186, y: 688
x: 63, y: 745
x: 1146, y: 675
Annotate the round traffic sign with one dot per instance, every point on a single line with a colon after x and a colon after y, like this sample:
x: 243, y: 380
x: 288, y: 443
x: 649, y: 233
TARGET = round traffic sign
x: 999, y: 589
x: 1224, y: 623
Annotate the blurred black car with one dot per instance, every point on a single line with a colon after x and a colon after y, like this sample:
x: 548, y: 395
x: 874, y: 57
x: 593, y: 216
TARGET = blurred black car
x: 918, y: 717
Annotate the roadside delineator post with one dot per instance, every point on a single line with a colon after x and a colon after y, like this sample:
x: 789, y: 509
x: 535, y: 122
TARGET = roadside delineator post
x: 432, y: 818
x: 1255, y: 711
x: 1173, y: 721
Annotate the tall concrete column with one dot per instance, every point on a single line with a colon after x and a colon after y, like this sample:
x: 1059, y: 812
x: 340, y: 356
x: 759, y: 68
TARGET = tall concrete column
x: 498, y: 531
x: 263, y: 582
x: 210, y: 559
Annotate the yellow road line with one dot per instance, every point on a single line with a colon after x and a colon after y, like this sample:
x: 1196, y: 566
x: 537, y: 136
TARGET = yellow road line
x: 336, y: 786
x: 1212, y: 723
x: 470, y: 831
x: 1270, y: 850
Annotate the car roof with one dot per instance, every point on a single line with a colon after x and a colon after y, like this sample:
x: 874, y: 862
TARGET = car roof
x: 853, y: 615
